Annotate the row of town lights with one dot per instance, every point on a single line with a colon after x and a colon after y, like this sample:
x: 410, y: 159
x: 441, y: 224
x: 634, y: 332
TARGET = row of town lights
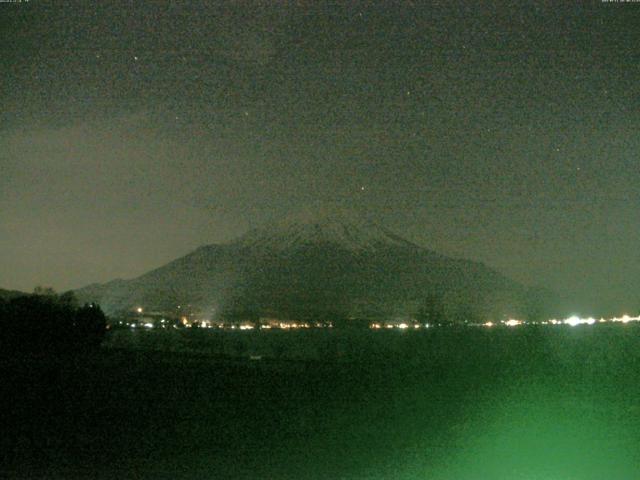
x: 573, y: 321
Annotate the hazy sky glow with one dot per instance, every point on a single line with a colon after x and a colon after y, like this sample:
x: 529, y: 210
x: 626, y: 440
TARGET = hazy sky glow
x: 131, y: 134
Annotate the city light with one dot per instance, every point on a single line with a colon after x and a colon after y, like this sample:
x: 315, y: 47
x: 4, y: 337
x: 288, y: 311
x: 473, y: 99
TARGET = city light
x: 575, y: 320
x: 411, y: 324
x: 625, y: 319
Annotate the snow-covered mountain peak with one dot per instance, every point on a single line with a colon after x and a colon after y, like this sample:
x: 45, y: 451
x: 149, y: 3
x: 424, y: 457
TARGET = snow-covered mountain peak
x: 341, y: 228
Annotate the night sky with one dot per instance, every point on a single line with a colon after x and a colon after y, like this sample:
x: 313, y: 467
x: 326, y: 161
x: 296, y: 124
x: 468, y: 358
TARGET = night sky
x: 504, y: 132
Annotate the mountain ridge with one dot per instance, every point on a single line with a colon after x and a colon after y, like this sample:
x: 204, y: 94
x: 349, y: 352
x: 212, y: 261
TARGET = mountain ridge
x: 340, y: 227
x: 318, y: 266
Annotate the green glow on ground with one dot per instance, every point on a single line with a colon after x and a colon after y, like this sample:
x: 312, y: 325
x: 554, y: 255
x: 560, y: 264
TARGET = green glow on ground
x: 577, y: 421
x: 509, y: 404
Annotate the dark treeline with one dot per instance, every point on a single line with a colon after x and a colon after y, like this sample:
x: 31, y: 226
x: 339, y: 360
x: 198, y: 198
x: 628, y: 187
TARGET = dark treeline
x: 45, y: 323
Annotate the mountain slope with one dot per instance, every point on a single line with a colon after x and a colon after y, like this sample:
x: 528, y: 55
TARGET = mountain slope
x: 319, y: 266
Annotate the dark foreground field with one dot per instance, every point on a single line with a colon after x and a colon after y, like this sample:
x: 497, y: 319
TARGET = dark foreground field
x: 549, y: 404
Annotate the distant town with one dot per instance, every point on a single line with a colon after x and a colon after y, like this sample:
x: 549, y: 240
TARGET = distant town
x: 185, y: 317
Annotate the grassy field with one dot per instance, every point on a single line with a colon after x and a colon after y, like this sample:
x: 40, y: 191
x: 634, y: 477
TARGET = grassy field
x: 525, y: 403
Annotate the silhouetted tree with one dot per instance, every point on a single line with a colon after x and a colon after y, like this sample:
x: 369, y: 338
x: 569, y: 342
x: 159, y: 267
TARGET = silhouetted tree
x: 44, y: 323
x: 432, y: 310
x: 69, y: 299
x: 44, y: 291
x: 90, y: 325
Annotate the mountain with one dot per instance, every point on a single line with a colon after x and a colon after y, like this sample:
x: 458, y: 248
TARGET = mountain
x: 317, y: 266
